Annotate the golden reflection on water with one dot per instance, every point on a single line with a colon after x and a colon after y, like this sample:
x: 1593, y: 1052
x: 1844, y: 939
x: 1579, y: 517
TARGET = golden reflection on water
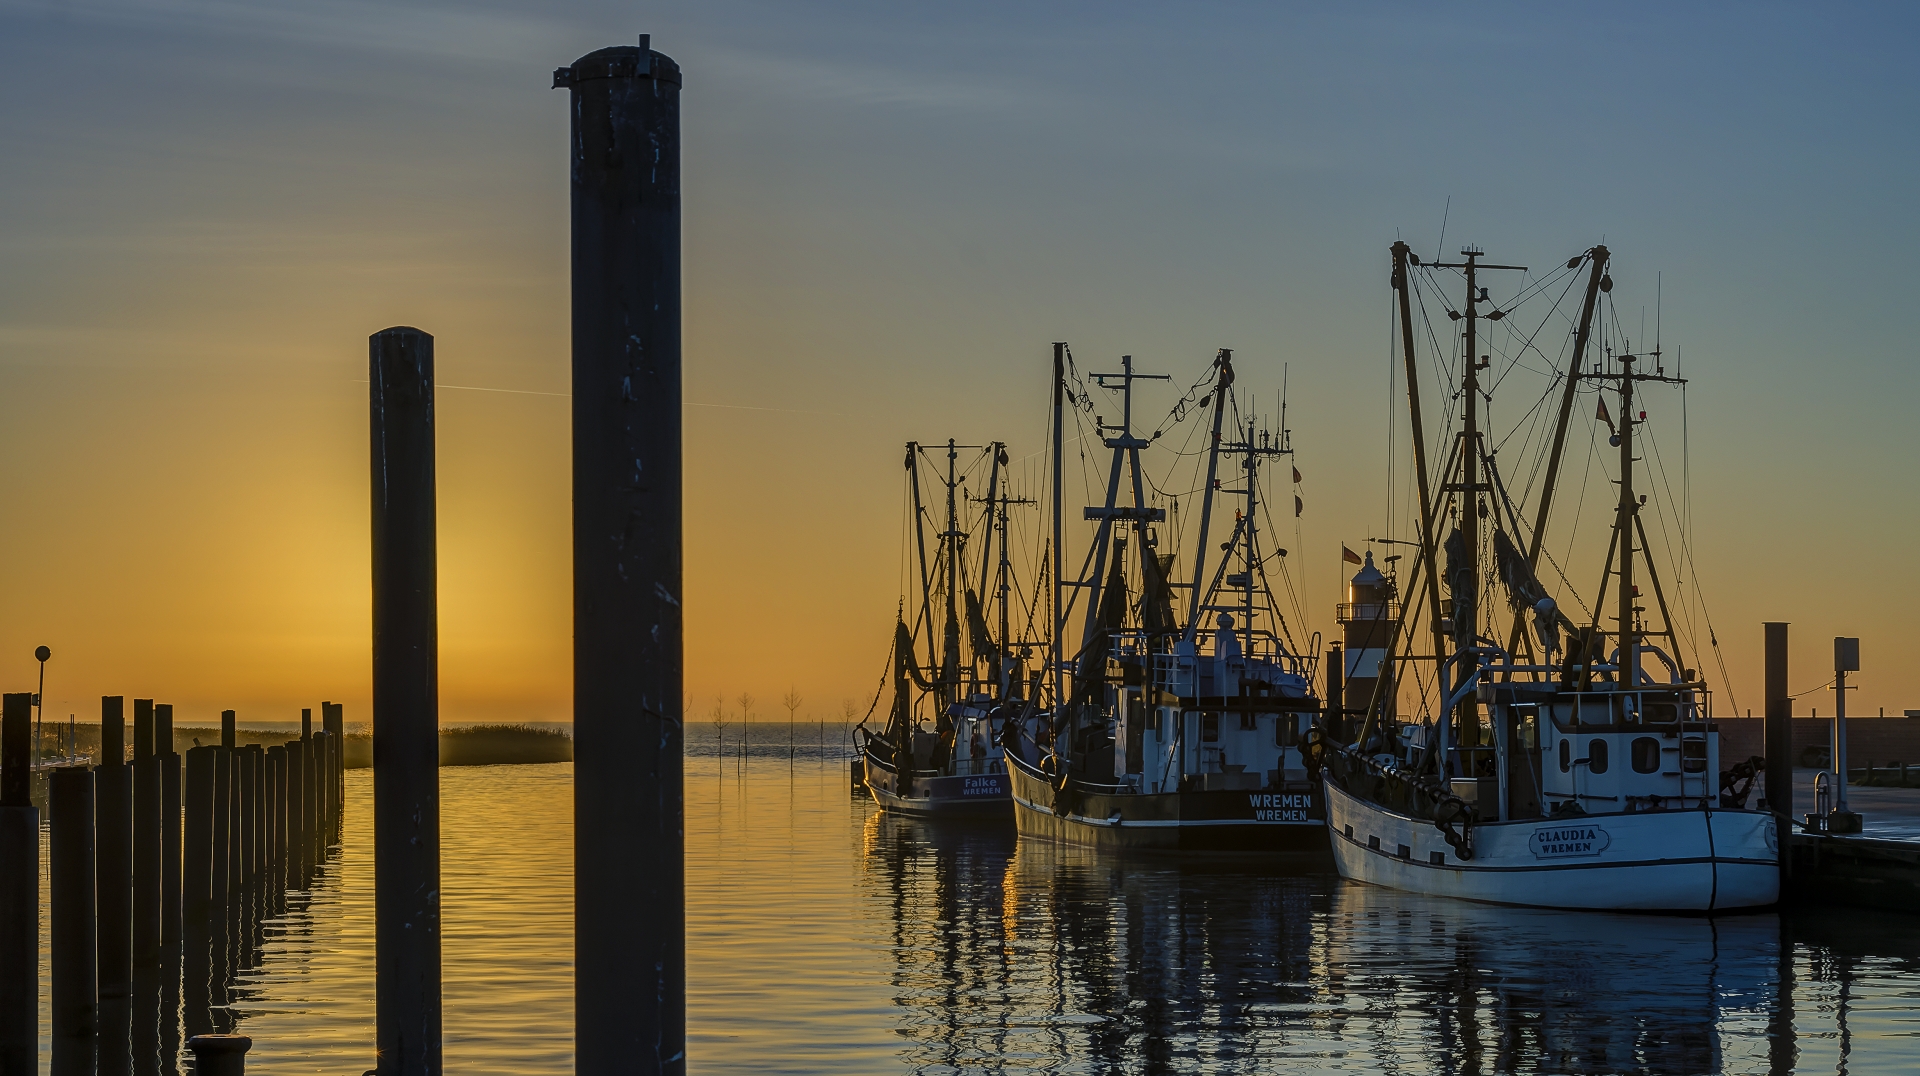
x: 824, y: 936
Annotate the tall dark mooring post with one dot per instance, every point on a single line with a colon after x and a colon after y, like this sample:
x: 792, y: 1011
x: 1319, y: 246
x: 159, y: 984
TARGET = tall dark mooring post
x: 406, y: 707
x: 1777, y: 729
x: 629, y: 888
x: 19, y: 892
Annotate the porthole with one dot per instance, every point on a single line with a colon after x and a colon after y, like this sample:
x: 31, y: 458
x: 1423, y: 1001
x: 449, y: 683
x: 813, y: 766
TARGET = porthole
x: 1597, y: 756
x: 1646, y: 754
x: 1566, y: 756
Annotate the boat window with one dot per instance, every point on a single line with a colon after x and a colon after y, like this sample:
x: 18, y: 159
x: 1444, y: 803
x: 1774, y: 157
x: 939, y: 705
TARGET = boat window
x: 1662, y: 712
x: 1693, y: 756
x: 1526, y: 727
x: 1646, y: 754
x: 1286, y: 732
x: 1210, y: 728
x: 1566, y: 755
x: 1249, y: 721
x: 1596, y: 756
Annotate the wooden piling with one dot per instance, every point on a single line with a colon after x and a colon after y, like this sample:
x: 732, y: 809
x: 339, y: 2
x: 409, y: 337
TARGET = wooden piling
x: 297, y: 843
x: 145, y: 901
x: 333, y: 717
x: 277, y: 824
x: 196, y: 896
x: 113, y: 889
x: 169, y: 828
x: 219, y: 875
x: 19, y: 891
x: 71, y: 931
x: 406, y: 709
x: 629, y: 861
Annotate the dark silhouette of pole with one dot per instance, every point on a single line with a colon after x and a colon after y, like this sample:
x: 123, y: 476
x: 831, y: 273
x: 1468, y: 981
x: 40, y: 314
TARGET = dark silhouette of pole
x: 333, y: 717
x: 70, y: 934
x: 145, y: 904
x: 1777, y: 729
x: 406, y: 706
x: 169, y: 828
x: 629, y: 870
x: 113, y: 889
x: 196, y: 896
x: 19, y: 891
x: 297, y: 843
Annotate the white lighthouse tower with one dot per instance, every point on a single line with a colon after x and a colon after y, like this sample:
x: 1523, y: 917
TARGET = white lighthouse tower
x: 1366, y: 624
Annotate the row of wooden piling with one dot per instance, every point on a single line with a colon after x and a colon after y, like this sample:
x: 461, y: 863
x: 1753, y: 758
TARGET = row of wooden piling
x: 162, y: 872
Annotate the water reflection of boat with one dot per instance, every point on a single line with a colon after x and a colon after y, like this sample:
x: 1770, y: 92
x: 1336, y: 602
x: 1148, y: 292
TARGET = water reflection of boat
x: 1592, y: 779
x: 1176, y: 734
x: 975, y: 680
x: 1050, y: 955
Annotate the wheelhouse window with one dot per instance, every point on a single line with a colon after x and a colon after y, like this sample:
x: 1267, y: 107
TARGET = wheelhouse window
x: 1210, y: 728
x: 1286, y: 730
x: 1566, y: 755
x: 1646, y: 754
x: 1596, y: 756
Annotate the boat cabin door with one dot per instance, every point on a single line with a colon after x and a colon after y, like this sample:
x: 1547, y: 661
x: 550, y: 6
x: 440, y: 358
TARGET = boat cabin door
x: 1520, y: 762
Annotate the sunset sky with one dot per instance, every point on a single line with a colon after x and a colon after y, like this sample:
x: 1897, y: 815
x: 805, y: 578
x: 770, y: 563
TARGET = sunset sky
x: 890, y: 212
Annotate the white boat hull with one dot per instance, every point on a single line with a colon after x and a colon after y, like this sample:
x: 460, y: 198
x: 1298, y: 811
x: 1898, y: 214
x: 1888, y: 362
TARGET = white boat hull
x: 1664, y: 861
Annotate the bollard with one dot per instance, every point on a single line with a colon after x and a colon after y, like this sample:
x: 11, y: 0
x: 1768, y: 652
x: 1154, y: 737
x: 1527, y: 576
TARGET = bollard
x: 113, y: 890
x: 629, y: 863
x: 406, y: 706
x: 169, y: 829
x: 145, y: 902
x: 19, y: 891
x: 196, y: 874
x: 219, y: 1055
x: 70, y: 933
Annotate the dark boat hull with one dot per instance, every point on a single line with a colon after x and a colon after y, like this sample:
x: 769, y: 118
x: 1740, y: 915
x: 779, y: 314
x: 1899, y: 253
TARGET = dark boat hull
x: 1186, y: 821
x: 985, y: 795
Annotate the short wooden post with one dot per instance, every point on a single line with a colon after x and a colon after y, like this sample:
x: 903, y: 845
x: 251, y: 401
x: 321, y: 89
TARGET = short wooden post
x: 19, y: 891
x: 71, y: 938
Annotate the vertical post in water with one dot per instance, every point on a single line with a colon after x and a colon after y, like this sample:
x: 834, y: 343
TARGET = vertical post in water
x: 19, y: 891
x: 1778, y: 732
x: 406, y: 707
x: 70, y: 934
x: 333, y: 718
x: 146, y: 837
x: 196, y: 890
x: 296, y: 830
x: 169, y: 829
x: 629, y: 870
x: 113, y: 889
x: 219, y: 881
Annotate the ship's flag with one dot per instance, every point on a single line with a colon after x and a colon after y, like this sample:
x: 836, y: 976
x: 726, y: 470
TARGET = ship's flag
x: 1296, y: 476
x: 1349, y: 555
x: 1298, y: 505
x: 1604, y: 416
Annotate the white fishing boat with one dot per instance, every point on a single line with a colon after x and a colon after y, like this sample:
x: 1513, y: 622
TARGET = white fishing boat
x: 1563, y: 766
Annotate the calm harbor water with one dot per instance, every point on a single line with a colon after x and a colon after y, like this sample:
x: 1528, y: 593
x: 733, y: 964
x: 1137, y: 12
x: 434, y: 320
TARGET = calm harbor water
x: 825, y: 937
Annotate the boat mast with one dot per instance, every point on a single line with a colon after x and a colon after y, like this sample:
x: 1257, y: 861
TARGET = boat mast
x: 1629, y: 656
x: 1221, y: 383
x: 986, y: 552
x: 920, y: 539
x: 1402, y: 254
x: 1058, y: 615
x: 1469, y: 713
x: 1251, y: 560
x: 950, y: 664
